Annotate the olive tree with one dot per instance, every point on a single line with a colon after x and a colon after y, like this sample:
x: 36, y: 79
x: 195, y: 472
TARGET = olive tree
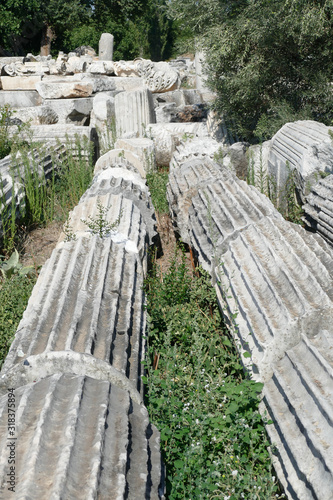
x: 269, y: 61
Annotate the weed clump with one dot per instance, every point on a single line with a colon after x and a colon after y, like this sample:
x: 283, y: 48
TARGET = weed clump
x: 99, y: 224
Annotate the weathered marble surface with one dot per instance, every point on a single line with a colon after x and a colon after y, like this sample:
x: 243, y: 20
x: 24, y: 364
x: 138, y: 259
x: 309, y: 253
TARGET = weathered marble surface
x: 64, y: 90
x: 20, y: 98
x: 78, y: 437
x: 167, y: 136
x: 304, y: 147
x: 67, y: 134
x: 318, y: 210
x: 142, y: 147
x: 134, y: 112
x: 89, y: 296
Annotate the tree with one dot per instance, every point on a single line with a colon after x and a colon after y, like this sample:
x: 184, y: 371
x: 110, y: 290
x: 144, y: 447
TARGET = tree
x: 141, y: 28
x: 268, y: 60
x: 38, y: 22
x: 17, y: 24
x: 57, y: 16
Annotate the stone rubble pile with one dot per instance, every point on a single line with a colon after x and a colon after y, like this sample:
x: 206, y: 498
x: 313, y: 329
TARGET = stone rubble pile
x: 110, y: 98
x: 274, y: 285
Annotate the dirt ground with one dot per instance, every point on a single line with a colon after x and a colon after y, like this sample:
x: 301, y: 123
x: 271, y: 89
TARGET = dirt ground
x: 39, y: 243
x: 168, y: 243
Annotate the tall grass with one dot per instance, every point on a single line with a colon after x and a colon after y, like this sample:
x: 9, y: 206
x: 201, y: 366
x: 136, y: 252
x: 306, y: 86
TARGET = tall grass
x: 70, y: 172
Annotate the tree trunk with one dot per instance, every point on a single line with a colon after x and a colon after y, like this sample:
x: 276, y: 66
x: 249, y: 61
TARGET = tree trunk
x: 47, y: 36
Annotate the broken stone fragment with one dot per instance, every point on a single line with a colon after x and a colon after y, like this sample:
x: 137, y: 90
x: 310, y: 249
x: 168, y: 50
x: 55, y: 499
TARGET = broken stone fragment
x: 105, y: 47
x: 134, y: 112
x: 102, y: 68
x: 64, y: 90
x: 143, y: 148
x: 126, y: 68
x: 168, y: 136
x: 301, y: 148
x: 319, y: 208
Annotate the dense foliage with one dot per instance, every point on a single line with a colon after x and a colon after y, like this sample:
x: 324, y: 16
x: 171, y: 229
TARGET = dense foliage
x: 140, y: 28
x: 213, y: 439
x: 270, y: 61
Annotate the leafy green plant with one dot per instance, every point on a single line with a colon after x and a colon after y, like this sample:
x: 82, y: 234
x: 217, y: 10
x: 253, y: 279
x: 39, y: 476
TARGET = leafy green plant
x: 38, y: 204
x: 14, y: 296
x: 213, y: 438
x: 251, y: 171
x: 13, y: 266
x: 8, y: 223
x: 186, y: 137
x: 258, y: 178
x: 219, y: 156
x: 290, y: 209
x: 68, y: 230
x: 284, y: 199
x: 74, y: 173
x: 45, y: 199
x: 157, y: 182
x: 100, y: 225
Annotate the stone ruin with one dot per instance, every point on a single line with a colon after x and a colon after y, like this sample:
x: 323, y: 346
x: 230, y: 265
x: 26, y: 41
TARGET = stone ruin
x: 76, y: 360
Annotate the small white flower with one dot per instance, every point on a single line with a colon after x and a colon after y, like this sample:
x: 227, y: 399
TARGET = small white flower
x: 234, y: 473
x: 197, y: 421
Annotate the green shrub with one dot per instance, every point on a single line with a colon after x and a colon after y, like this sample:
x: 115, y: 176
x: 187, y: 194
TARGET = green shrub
x: 14, y: 296
x: 157, y: 182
